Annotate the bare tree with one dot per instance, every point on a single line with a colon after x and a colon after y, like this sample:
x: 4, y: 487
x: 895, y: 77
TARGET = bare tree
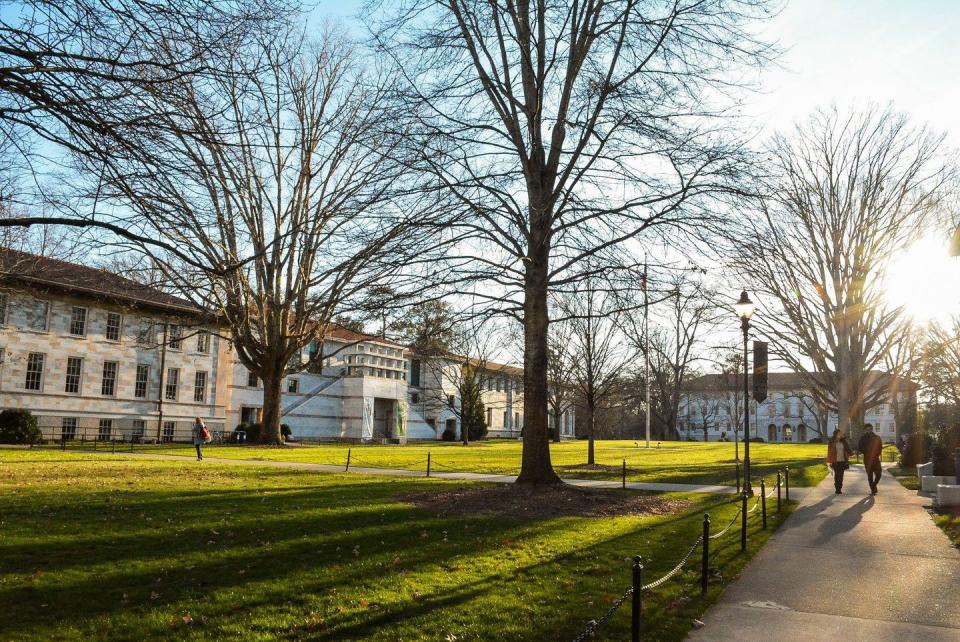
x: 560, y: 374
x: 287, y: 173
x: 681, y: 321
x: 600, y: 353
x: 564, y: 130
x: 850, y: 191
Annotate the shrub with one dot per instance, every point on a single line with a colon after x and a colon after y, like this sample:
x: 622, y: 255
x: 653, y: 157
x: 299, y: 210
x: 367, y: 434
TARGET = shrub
x: 942, y: 453
x: 18, y: 426
x: 916, y: 449
x: 551, y: 434
x: 285, y: 431
x: 253, y: 432
x: 817, y: 440
x: 448, y: 435
x: 758, y: 440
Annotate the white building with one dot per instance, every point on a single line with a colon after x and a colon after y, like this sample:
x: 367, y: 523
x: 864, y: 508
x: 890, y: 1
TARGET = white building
x: 96, y: 356
x: 711, y: 406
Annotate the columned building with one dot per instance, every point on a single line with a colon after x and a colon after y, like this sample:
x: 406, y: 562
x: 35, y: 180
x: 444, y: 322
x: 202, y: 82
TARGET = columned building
x: 711, y: 407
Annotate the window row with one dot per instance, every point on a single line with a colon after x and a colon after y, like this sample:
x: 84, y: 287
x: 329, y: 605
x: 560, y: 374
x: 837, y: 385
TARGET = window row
x: 73, y: 376
x: 107, y: 430
x: 37, y: 313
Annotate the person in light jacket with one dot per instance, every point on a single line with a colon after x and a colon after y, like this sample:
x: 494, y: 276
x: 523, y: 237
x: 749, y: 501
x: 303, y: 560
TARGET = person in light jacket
x: 199, y: 438
x: 838, y: 452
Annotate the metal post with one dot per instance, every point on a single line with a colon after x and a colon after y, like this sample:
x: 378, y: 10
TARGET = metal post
x: 738, y: 477
x: 746, y: 410
x: 743, y: 521
x: 624, y: 473
x: 956, y: 464
x: 763, y: 502
x: 779, y: 479
x: 348, y: 460
x: 63, y: 442
x: 113, y: 445
x: 786, y: 481
x: 705, y: 562
x: 636, y: 603
x: 428, y: 463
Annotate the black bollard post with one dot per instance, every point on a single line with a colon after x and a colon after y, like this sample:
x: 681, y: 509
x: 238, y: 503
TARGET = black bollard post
x: 63, y: 442
x: 763, y: 502
x: 428, y: 463
x: 956, y: 464
x: 786, y: 482
x: 705, y: 562
x: 743, y: 521
x: 348, y: 459
x: 636, y: 601
x: 779, y: 481
x: 624, y: 473
x: 737, y: 466
x: 113, y: 445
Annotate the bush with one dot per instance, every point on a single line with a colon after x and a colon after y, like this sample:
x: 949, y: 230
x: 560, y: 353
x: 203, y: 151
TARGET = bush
x: 253, y: 432
x: 551, y: 434
x: 944, y: 446
x: 448, y: 435
x: 285, y: 431
x: 758, y: 440
x: 916, y: 449
x: 817, y: 440
x: 18, y: 426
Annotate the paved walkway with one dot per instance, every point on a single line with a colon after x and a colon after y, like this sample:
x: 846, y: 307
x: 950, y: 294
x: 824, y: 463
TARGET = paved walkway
x: 847, y: 567
x: 480, y: 477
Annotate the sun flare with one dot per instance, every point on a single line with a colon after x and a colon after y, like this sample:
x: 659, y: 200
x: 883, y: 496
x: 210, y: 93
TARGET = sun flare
x: 925, y: 280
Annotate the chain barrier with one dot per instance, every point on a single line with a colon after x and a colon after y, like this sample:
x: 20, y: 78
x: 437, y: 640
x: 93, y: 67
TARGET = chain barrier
x: 675, y: 569
x: 728, y: 526
x: 594, y: 625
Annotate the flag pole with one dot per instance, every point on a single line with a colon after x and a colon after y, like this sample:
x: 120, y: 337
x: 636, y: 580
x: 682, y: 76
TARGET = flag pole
x: 646, y: 351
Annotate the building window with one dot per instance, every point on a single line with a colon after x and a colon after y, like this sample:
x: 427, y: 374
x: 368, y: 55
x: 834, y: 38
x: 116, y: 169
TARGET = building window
x: 252, y: 380
x: 105, y: 431
x: 39, y: 316
x: 139, y: 429
x: 293, y: 386
x: 176, y: 337
x: 489, y: 417
x: 68, y: 428
x: 108, y: 385
x: 200, y: 387
x: 4, y: 304
x: 499, y: 383
x: 414, y: 397
x: 169, y: 430
x: 142, y: 381
x: 114, y: 321
x: 203, y: 341
x: 415, y: 372
x: 506, y: 419
x: 173, y: 380
x: 78, y: 321
x: 147, y: 336
x: 516, y: 421
x: 74, y: 370
x: 34, y: 371
x: 451, y: 401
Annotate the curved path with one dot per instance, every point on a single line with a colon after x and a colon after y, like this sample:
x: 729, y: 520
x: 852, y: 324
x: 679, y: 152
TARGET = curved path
x: 847, y: 567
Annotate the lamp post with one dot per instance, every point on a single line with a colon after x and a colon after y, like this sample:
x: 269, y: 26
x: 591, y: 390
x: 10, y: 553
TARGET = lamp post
x: 955, y: 251
x: 744, y: 308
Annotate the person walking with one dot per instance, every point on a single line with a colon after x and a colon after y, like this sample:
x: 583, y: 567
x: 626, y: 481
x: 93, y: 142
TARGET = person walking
x: 870, y: 447
x: 838, y: 453
x: 200, y: 436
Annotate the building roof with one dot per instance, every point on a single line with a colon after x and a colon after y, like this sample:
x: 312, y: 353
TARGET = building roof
x: 482, y: 364
x: 49, y: 273
x: 775, y: 381
x: 335, y: 331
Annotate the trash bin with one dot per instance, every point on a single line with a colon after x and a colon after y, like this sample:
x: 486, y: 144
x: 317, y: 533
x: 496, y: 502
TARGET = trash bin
x: 241, y: 436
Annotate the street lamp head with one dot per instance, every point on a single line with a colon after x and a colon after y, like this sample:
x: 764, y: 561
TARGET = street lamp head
x: 744, y: 307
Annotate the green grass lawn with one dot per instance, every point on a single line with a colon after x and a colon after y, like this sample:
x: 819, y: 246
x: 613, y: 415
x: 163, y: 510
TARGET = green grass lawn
x: 100, y: 547
x: 673, y: 462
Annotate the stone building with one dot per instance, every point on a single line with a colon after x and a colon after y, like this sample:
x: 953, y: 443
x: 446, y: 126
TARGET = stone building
x: 713, y: 404
x: 97, y: 356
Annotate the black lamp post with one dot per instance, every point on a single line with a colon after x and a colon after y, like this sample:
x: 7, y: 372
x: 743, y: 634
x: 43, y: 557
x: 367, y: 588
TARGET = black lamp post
x: 955, y: 251
x: 744, y: 308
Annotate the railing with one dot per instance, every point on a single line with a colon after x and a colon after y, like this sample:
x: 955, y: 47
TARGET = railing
x: 637, y: 588
x: 89, y: 433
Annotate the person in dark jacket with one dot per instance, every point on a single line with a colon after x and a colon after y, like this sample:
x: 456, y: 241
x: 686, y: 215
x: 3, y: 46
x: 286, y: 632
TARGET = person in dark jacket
x: 838, y: 454
x: 870, y: 446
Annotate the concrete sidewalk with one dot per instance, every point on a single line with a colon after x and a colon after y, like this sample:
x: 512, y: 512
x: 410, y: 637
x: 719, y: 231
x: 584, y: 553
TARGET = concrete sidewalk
x: 795, y: 493
x: 847, y: 567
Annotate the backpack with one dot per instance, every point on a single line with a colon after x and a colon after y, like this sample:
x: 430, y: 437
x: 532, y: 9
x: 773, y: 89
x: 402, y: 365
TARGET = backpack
x: 205, y: 434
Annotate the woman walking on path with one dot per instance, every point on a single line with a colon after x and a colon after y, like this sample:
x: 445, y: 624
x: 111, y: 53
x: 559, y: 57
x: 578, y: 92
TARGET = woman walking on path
x: 838, y: 452
x: 200, y: 435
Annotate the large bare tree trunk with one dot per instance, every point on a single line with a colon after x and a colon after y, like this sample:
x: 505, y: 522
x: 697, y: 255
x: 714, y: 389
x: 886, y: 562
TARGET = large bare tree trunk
x: 272, y: 395
x: 535, y: 467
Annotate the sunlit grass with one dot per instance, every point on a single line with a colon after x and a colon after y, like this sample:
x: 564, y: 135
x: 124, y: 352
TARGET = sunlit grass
x: 99, y: 547
x: 672, y: 462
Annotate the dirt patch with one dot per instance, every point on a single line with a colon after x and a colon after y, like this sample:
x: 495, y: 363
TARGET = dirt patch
x: 525, y: 502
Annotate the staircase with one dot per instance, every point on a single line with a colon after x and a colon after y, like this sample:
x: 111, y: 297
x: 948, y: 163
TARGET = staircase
x: 310, y: 395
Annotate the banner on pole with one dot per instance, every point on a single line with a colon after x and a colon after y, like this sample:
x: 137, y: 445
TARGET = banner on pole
x: 759, y: 371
